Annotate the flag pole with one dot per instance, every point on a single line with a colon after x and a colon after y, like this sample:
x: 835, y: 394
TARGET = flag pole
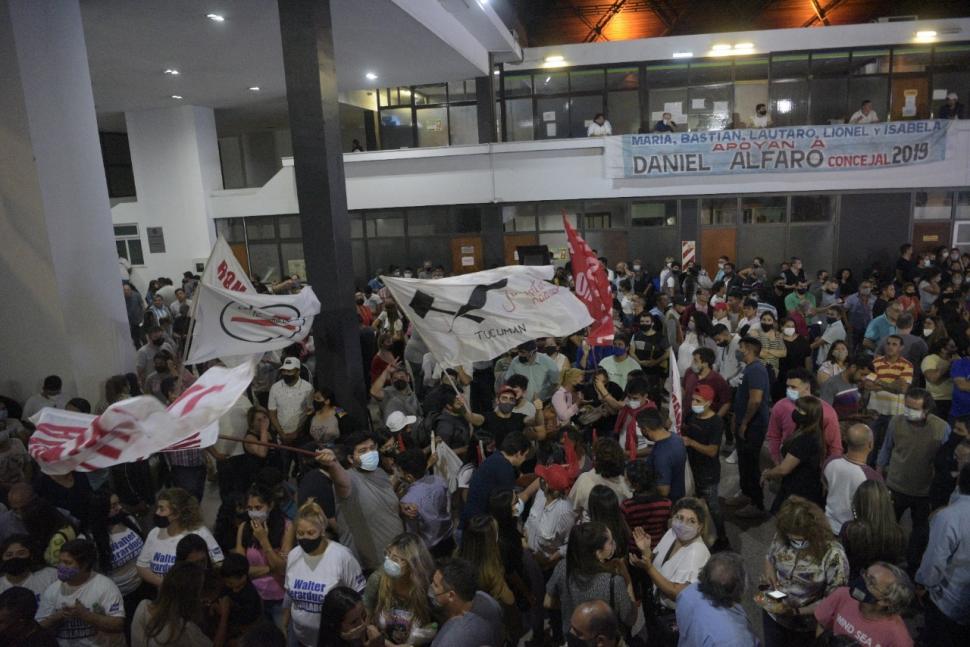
x: 285, y: 448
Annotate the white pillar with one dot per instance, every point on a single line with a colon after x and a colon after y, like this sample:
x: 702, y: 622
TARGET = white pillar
x: 60, y: 288
x: 175, y: 161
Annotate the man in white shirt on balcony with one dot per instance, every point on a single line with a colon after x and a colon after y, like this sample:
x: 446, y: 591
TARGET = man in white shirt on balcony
x: 600, y: 127
x: 865, y: 114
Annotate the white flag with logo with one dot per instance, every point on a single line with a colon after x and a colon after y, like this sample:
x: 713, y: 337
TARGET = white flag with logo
x: 676, y: 395
x: 476, y: 317
x: 223, y: 270
x: 237, y: 323
x: 136, y: 428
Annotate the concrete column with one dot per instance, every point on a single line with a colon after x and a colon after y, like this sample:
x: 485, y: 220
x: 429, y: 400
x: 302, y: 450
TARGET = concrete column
x: 175, y: 161
x: 63, y: 311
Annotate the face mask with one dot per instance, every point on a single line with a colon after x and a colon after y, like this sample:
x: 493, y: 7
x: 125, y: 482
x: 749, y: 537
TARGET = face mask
x: 860, y: 591
x: 519, y: 507
x: 684, y: 531
x: 353, y: 634
x: 927, y: 332
x: 524, y: 359
x: 408, y: 275
x: 620, y: 352
x: 767, y: 326
x: 720, y: 266
x: 633, y: 404
x: 16, y: 566
x: 913, y: 415
x: 505, y: 407
x: 291, y: 379
x: 799, y: 417
x: 433, y: 599
x: 865, y: 292
x: 258, y: 515
x: 840, y: 354
x: 788, y: 332
x: 309, y: 545
x: 697, y: 368
x: 65, y: 573
x: 318, y: 405
x: 792, y: 394
x: 957, y: 280
x: 392, y: 569
x: 359, y: 302
x: 646, y: 325
x: 117, y: 518
x: 798, y: 544
x: 370, y: 460
x: 159, y: 341
x: 161, y: 522
x: 400, y: 385
x: 636, y: 268
x: 697, y: 408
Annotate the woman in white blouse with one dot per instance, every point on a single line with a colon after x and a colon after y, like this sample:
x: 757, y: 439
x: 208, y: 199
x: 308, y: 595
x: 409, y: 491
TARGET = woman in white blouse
x: 681, y: 553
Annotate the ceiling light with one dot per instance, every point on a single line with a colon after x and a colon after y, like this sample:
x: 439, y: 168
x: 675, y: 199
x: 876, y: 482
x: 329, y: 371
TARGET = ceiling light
x: 926, y: 36
x: 548, y: 78
x: 172, y: 72
x: 744, y: 46
x: 254, y: 88
x: 370, y: 76
x: 783, y: 106
x: 496, y: 72
x: 177, y: 96
x: 683, y: 54
x: 556, y: 58
x: 721, y: 47
x: 214, y: 17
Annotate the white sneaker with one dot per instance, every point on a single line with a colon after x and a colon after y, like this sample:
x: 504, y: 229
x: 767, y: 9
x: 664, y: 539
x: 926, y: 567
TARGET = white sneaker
x: 733, y: 458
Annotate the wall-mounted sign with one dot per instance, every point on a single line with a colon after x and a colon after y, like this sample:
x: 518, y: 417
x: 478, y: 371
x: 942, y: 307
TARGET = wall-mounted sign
x: 156, y: 240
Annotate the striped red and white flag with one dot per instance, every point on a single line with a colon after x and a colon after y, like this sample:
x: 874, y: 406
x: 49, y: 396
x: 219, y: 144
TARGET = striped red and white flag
x: 136, y: 428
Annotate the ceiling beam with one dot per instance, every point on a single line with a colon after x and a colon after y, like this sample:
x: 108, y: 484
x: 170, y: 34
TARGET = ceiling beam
x: 579, y: 13
x: 826, y: 11
x: 597, y: 31
x: 819, y: 13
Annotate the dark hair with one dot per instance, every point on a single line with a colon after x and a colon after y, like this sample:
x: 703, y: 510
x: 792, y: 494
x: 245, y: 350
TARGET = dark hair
x: 641, y: 476
x: 178, y: 601
x: 608, y: 457
x: 917, y: 393
x: 754, y: 342
x: 357, y: 438
x: 167, y: 385
x: 234, y: 565
x: 722, y: 579
x: 21, y: 601
x: 80, y: 404
x: 623, y: 337
x: 192, y: 543
x: 802, y: 375
x: 584, y: 540
x: 705, y: 354
x: 53, y: 383
x: 83, y: 551
x: 750, y: 303
x: 604, y: 506
x: 650, y: 419
x: 518, y: 381
x: 514, y: 443
x: 275, y: 522
x: 861, y: 361
x: 461, y: 576
x: 412, y: 462
x: 718, y: 329
x: 99, y: 526
x: 42, y: 520
x: 637, y: 386
x: 36, y: 559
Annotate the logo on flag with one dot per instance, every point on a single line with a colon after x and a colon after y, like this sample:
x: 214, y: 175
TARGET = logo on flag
x: 262, y: 325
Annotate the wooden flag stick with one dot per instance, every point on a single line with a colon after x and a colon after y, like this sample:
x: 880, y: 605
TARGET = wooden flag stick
x: 285, y: 448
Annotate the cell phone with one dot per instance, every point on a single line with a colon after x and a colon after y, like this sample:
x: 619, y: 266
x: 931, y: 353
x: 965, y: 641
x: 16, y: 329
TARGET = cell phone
x: 777, y: 596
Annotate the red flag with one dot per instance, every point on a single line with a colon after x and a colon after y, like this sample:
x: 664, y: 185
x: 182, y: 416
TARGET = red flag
x: 592, y: 286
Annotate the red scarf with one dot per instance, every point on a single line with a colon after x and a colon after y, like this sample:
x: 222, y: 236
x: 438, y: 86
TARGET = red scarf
x: 626, y: 426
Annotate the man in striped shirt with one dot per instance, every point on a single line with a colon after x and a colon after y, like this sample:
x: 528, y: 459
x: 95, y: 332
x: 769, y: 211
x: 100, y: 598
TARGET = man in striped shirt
x: 892, y: 375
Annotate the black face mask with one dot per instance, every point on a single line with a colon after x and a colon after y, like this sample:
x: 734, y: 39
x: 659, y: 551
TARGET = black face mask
x: 318, y: 404
x: 309, y: 545
x: 400, y: 385
x: 161, y: 522
x: 16, y: 566
x: 524, y: 359
x: 117, y: 518
x: 573, y: 640
x: 767, y: 327
x: 291, y: 379
x: 860, y: 591
x: 159, y: 341
x: 723, y: 344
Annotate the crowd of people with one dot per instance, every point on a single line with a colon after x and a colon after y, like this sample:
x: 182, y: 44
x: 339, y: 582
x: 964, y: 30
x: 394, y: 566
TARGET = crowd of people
x: 546, y: 497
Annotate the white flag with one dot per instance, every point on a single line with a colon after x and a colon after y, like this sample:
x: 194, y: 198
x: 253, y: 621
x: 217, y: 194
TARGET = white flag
x: 222, y: 270
x: 676, y: 395
x: 136, y: 428
x: 237, y: 323
x: 476, y: 317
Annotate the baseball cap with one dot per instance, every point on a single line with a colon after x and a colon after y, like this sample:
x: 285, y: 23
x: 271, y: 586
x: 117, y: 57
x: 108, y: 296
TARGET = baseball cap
x: 290, y: 364
x: 398, y: 420
x: 555, y: 476
x: 952, y: 95
x: 506, y: 389
x: 705, y: 392
x: 721, y: 306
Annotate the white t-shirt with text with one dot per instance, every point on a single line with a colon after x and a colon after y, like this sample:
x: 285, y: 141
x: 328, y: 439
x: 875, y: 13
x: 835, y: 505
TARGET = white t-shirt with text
x: 309, y: 579
x: 158, y: 553
x: 99, y: 594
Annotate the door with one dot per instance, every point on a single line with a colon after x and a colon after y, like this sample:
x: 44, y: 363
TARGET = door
x: 927, y: 236
x: 910, y: 98
x: 242, y: 255
x: 514, y: 241
x: 716, y: 242
x: 466, y: 255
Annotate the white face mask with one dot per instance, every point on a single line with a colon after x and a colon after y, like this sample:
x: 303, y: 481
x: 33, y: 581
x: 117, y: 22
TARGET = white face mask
x: 519, y: 507
x: 392, y: 569
x: 927, y: 332
x: 788, y: 332
x: 633, y: 404
x: 913, y: 415
x: 369, y: 461
x: 697, y: 408
x: 798, y: 544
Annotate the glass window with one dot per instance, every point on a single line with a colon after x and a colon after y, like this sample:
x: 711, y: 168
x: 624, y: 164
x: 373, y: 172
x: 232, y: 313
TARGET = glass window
x: 424, y: 94
x: 462, y: 90
x: 623, y: 111
x: 552, y: 83
x: 830, y: 98
x: 519, y: 217
x: 716, y: 111
x: 870, y: 61
x: 550, y: 215
x: 719, y: 211
x: 812, y: 208
x: 553, y: 117
x: 761, y: 210
x: 661, y: 100
x: 463, y: 121
x: 260, y: 228
x: 386, y: 224
x: 873, y: 88
x: 750, y: 68
x: 427, y: 221
x: 393, y: 97
x: 951, y: 58
x: 963, y: 205
x: 958, y: 82
x: 356, y: 224
x: 234, y: 230
x: 715, y: 70
x: 518, y: 85
x: 656, y: 213
x: 622, y: 78
x: 789, y: 103
x: 126, y: 230
x: 293, y: 259
x: 603, y: 214
x: 518, y: 120
x: 264, y: 261
x: 468, y: 220
x: 747, y: 96
x: 830, y: 64
x: 290, y: 227
x: 583, y: 80
x: 911, y: 59
x: 581, y: 111
x: 666, y: 75
x: 396, y: 128
x: 932, y: 205
x: 786, y: 66
x: 432, y: 126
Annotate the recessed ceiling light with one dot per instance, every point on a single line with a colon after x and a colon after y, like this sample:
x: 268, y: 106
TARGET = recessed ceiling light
x: 214, y: 17
x: 177, y: 96
x: 683, y: 54
x: 555, y: 59
x: 370, y: 76
x: 254, y: 88
x: 784, y: 106
x: 172, y: 71
x: 721, y: 47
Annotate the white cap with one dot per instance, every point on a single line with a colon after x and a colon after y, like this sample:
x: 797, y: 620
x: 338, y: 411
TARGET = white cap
x: 398, y: 421
x: 290, y: 364
x: 952, y: 95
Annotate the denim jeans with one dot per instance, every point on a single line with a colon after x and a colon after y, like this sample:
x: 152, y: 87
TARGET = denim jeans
x: 709, y: 494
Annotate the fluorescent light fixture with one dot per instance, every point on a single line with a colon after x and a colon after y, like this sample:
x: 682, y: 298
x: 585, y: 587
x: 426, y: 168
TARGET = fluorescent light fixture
x: 172, y: 72
x: 783, y: 106
x: 721, y: 47
x: 254, y: 88
x: 214, y: 17
x: 370, y: 76
x: 556, y: 58
x: 928, y: 33
x: 683, y: 54
x: 496, y: 72
x: 177, y: 96
x: 744, y: 46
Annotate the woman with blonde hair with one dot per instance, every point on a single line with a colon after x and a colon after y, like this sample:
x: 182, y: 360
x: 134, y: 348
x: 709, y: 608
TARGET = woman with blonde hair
x: 314, y: 566
x: 874, y: 534
x: 806, y: 563
x: 803, y: 453
x: 479, y: 545
x: 176, y: 515
x: 396, y: 595
x: 568, y: 397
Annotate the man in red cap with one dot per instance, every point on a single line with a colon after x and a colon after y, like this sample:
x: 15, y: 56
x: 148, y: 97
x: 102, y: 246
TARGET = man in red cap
x: 703, y: 430
x: 551, y: 518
